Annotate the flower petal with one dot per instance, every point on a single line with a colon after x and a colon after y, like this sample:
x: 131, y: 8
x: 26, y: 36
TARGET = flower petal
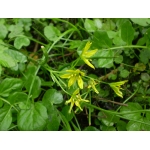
x: 87, y: 46
x: 80, y: 82
x: 90, y: 53
x: 71, y: 81
x: 66, y: 75
x: 88, y: 63
x: 117, y: 90
x: 78, y: 104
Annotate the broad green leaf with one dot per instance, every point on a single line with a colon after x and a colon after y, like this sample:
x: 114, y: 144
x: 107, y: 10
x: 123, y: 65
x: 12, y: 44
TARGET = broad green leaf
x: 21, y: 41
x: 17, y: 56
x: 16, y: 30
x: 89, y: 25
x: 5, y: 118
x: 65, y: 111
x: 98, y: 23
x: 53, y: 121
x: 17, y: 97
x: 36, y: 88
x: 106, y: 128
x: 133, y: 126
x: 107, y: 118
x: 128, y: 110
x: 6, y: 60
x: 101, y: 40
x: 33, y: 119
x: 105, y: 60
x: 118, y: 41
x: 108, y: 25
x: 145, y: 77
x: 121, y: 125
x: 91, y: 128
x: 51, y: 32
x: 141, y: 41
x: 141, y: 21
x: 8, y: 85
x: 74, y: 44
x: 145, y: 127
x: 124, y: 73
x: 53, y: 96
x: 145, y: 56
x: 127, y: 32
x: 118, y: 59
x: 139, y: 67
x: 111, y: 34
x: 3, y: 31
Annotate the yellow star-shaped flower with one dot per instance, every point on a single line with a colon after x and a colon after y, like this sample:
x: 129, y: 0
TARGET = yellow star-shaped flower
x: 75, y: 100
x: 73, y: 76
x: 116, y: 87
x: 92, y: 84
x: 85, y: 55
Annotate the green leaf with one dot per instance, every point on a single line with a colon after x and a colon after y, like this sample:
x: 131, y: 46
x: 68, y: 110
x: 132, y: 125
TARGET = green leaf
x: 145, y: 56
x: 8, y: 85
x: 21, y: 41
x: 36, y: 88
x: 89, y: 25
x: 133, y: 126
x: 53, y: 96
x: 131, y: 107
x: 6, y: 60
x: 16, y: 30
x: 98, y: 23
x: 121, y: 125
x: 145, y: 77
x: 3, y: 31
x: 91, y: 128
x: 127, y: 32
x: 104, y: 62
x: 65, y: 111
x: 17, y: 56
x: 53, y: 121
x: 51, y: 32
x: 141, y: 21
x: 74, y: 44
x: 107, y: 118
x: 118, y: 59
x: 5, y: 118
x: 33, y: 119
x: 124, y: 73
x: 17, y: 97
x: 101, y: 40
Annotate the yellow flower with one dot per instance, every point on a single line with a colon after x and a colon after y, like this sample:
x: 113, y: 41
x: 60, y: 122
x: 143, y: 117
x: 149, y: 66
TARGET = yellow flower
x: 85, y: 55
x: 75, y: 100
x: 116, y: 87
x: 92, y: 84
x: 74, y: 75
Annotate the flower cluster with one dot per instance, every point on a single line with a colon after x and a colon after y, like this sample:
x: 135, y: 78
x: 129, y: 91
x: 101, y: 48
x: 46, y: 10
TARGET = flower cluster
x: 76, y: 76
x: 75, y: 100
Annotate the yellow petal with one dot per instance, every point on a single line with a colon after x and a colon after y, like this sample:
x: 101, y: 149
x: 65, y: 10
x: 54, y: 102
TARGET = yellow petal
x: 76, y: 92
x: 80, y: 82
x: 71, y: 81
x: 66, y: 75
x: 71, y: 106
x: 88, y: 63
x: 87, y: 46
x: 118, y: 83
x: 117, y: 90
x: 78, y: 104
x: 90, y: 53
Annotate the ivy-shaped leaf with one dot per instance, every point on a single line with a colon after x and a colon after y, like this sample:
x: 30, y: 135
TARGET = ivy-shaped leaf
x: 33, y: 119
x: 5, y: 118
x: 127, y: 32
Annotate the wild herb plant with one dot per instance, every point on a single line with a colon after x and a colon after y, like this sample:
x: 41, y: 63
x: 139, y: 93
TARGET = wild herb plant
x: 74, y: 74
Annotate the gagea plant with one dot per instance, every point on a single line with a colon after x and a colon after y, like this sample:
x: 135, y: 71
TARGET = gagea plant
x: 74, y: 74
